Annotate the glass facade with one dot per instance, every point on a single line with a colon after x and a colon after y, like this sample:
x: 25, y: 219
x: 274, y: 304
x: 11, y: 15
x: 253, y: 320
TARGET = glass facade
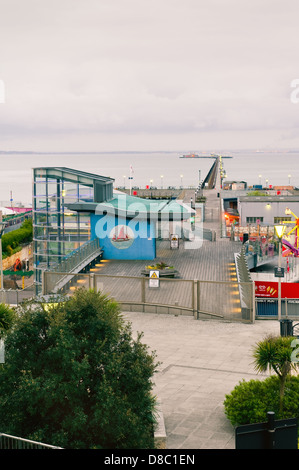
x: 58, y: 231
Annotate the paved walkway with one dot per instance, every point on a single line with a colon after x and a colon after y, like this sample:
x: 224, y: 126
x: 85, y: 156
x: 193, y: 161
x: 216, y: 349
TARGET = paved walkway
x: 201, y: 362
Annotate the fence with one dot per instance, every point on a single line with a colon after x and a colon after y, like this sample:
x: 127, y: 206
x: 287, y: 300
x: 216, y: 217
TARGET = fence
x: 202, y: 299
x: 12, y: 442
x: 268, y: 308
x: 15, y: 296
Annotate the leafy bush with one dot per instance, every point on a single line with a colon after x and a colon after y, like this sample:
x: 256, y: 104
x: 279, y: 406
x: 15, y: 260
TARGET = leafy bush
x: 12, y: 240
x: 250, y: 401
x: 74, y: 377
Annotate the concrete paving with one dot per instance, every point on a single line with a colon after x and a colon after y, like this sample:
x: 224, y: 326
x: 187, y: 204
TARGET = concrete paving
x: 201, y: 362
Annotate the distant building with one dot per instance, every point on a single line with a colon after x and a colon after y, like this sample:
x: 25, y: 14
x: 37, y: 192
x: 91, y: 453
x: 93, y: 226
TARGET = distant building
x: 234, y: 185
x: 267, y: 210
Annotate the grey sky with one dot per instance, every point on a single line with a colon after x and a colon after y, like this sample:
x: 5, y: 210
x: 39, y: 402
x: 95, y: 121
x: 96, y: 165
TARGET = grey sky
x: 99, y: 75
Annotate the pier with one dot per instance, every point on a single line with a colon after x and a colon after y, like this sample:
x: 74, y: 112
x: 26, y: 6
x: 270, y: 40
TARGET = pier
x: 207, y: 284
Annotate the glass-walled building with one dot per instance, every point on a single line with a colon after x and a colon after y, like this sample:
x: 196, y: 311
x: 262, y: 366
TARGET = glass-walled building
x: 57, y: 230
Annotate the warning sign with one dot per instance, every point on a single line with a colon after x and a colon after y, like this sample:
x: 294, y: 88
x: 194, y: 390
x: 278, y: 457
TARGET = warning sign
x: 154, y: 279
x: 174, y: 242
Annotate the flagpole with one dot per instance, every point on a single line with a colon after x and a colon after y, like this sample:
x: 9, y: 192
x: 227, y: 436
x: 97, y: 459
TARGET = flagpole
x: 130, y: 180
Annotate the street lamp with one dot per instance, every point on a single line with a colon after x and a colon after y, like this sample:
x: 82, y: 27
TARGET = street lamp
x: 289, y: 179
x: 2, y: 227
x: 182, y: 181
x: 162, y: 181
x: 280, y: 231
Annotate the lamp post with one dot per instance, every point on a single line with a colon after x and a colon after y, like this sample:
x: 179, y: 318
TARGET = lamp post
x: 162, y: 181
x: 280, y: 230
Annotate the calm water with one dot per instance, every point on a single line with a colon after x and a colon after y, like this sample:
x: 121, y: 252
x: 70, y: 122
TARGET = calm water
x: 16, y: 169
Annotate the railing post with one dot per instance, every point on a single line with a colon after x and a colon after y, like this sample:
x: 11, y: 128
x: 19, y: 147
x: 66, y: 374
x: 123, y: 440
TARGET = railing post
x: 44, y: 283
x: 194, y: 282
x: 92, y: 282
x: 253, y: 302
x: 198, y: 299
x: 143, y: 290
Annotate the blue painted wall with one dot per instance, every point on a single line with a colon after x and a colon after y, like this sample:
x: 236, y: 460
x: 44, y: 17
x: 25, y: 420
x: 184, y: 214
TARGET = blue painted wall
x: 141, y: 243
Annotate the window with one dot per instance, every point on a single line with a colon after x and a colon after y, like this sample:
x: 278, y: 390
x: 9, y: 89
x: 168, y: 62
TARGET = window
x: 254, y: 220
x: 280, y: 220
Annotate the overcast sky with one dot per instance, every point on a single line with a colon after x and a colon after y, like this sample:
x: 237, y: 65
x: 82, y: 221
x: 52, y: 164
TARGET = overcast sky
x: 98, y: 75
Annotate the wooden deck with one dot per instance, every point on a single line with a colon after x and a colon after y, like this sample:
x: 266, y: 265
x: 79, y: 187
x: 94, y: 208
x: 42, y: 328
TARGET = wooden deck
x: 210, y: 262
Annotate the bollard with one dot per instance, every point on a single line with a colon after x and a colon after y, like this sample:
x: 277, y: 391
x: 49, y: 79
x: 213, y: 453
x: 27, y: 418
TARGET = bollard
x: 286, y: 327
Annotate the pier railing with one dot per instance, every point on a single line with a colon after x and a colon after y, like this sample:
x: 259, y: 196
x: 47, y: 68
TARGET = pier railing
x: 201, y: 299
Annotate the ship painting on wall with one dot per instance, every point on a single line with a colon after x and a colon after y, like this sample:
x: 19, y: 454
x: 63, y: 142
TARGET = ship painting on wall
x: 122, y: 237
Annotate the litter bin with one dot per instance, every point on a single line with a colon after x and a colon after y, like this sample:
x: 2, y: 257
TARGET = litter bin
x: 286, y: 327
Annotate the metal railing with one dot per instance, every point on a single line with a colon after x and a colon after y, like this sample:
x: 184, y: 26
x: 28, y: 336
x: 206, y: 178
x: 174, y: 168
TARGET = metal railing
x: 246, y: 285
x: 12, y: 442
x: 75, y: 262
x: 15, y: 296
x: 77, y: 257
x: 212, y: 299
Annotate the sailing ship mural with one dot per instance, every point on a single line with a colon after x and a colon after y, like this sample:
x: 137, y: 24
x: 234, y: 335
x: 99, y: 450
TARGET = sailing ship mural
x: 122, y: 237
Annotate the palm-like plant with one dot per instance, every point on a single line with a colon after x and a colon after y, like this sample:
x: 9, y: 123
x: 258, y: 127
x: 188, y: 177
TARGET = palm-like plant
x: 6, y: 318
x: 274, y: 353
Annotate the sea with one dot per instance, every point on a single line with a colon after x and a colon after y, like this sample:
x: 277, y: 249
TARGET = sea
x: 160, y: 169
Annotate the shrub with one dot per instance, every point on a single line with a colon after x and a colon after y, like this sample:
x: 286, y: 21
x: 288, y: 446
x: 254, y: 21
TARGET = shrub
x: 11, y: 240
x: 250, y: 401
x: 74, y: 377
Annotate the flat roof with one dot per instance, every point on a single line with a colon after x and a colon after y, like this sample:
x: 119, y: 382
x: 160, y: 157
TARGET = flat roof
x: 129, y: 206
x: 69, y: 174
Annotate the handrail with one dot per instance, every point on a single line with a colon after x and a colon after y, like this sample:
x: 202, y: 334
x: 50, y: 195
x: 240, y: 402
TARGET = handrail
x: 12, y: 442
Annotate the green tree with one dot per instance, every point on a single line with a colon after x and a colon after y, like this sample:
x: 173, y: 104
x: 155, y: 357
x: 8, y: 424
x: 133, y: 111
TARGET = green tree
x: 75, y: 377
x: 274, y: 353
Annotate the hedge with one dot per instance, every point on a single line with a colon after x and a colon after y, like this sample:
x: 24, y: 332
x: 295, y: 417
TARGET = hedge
x: 15, y: 238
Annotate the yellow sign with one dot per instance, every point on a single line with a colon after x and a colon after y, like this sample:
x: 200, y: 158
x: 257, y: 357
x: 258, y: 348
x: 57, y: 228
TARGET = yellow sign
x: 154, y: 279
